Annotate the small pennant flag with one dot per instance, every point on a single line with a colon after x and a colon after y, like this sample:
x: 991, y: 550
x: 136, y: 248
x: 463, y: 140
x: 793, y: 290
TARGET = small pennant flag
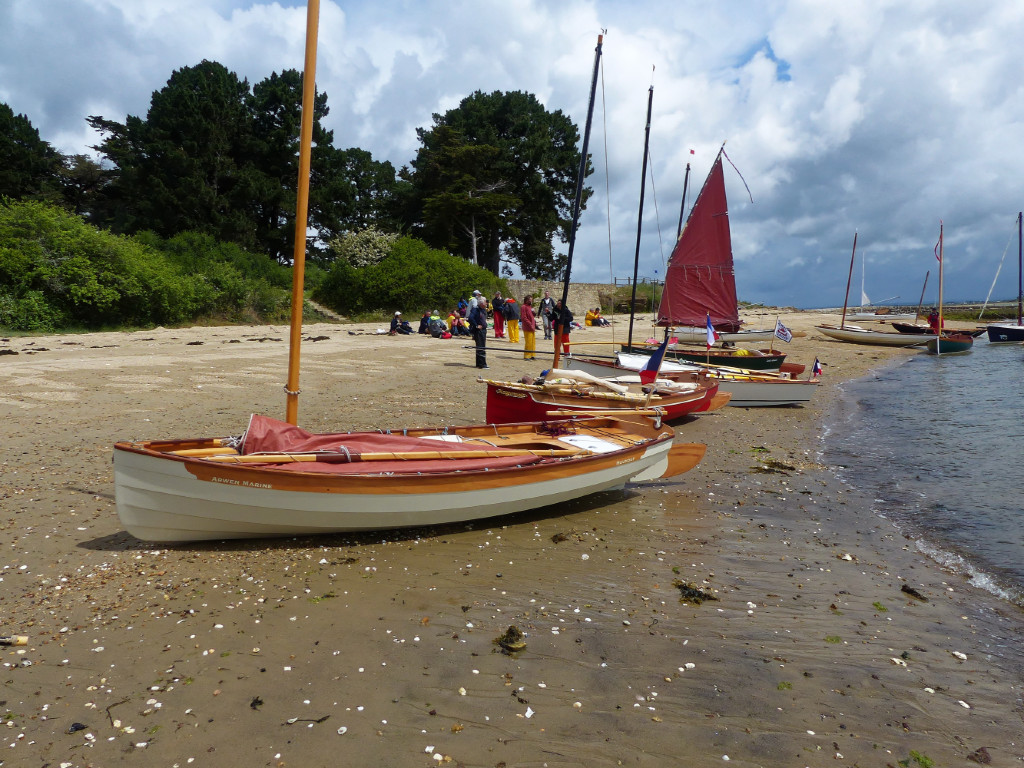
x: 816, y: 369
x: 938, y: 244
x: 712, y: 334
x: 782, y: 331
x: 650, y: 371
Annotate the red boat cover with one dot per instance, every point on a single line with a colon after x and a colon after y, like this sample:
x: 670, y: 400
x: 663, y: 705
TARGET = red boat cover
x: 700, y: 278
x: 267, y: 435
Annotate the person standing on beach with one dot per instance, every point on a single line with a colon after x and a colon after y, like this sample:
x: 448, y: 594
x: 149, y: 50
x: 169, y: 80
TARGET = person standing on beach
x: 498, y: 312
x: 478, y: 325
x: 562, y: 319
x: 529, y: 329
x: 512, y: 313
x: 547, y: 311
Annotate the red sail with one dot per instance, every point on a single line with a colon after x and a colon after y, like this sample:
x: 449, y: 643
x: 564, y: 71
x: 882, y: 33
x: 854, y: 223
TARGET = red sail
x: 700, y: 278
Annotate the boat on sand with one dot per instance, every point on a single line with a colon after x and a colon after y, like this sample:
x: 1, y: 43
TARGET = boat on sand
x: 279, y: 480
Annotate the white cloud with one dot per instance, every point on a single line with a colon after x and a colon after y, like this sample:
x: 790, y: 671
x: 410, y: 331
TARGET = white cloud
x: 873, y: 115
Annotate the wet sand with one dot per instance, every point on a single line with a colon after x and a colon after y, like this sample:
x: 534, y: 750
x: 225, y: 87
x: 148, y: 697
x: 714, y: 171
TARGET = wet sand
x: 379, y: 649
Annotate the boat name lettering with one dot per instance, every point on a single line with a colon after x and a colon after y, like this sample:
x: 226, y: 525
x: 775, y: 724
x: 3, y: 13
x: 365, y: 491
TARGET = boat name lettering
x: 625, y: 461
x: 246, y: 483
x: 511, y: 393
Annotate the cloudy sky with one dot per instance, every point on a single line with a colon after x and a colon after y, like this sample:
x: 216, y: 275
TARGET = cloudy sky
x: 872, y: 116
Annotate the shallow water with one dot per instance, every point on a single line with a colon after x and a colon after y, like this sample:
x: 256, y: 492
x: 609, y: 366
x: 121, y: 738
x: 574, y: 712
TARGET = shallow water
x: 939, y: 442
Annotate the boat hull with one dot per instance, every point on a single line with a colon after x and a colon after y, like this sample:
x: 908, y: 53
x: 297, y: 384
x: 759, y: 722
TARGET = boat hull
x: 1005, y: 333
x: 753, y: 361
x: 950, y: 345
x: 167, y: 498
x: 509, y: 403
x: 752, y: 392
x: 873, y: 338
x: 699, y: 334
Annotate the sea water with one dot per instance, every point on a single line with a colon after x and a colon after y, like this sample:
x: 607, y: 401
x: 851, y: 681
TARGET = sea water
x: 939, y: 443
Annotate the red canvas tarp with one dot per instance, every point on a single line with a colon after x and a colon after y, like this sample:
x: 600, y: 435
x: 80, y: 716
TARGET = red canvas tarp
x: 267, y: 435
x: 700, y: 278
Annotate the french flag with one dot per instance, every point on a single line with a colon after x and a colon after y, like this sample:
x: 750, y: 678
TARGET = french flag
x: 816, y: 369
x: 650, y: 371
x: 712, y: 333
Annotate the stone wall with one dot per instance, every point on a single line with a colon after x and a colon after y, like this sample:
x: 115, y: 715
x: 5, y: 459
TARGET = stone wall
x: 582, y: 296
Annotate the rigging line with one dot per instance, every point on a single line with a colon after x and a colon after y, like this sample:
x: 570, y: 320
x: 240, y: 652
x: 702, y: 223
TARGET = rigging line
x: 738, y: 173
x: 998, y: 270
x: 657, y: 216
x: 607, y: 185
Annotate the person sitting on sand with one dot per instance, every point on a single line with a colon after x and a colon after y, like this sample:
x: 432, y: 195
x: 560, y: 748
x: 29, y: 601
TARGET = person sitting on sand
x: 438, y: 327
x: 399, y: 326
x: 457, y: 324
x: 424, y: 323
x: 593, y: 317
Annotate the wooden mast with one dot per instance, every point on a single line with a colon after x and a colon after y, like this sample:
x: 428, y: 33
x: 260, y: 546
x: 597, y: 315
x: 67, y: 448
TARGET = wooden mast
x: 846, y: 301
x: 301, y: 210
x: 579, y: 197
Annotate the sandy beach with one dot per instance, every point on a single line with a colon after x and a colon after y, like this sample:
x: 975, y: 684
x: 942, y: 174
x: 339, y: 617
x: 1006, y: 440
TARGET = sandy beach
x: 829, y: 639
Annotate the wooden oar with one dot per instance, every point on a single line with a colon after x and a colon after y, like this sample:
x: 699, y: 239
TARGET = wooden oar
x: 343, y: 458
x: 608, y: 412
x: 200, y: 452
x: 683, y: 457
x: 14, y: 640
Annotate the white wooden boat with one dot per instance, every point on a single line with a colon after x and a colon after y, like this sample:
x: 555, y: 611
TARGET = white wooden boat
x: 857, y: 335
x: 284, y: 481
x: 879, y: 316
x: 746, y: 389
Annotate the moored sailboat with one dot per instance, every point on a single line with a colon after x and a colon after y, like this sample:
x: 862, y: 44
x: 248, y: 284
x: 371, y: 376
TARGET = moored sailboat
x: 1013, y: 332
x: 946, y: 342
x: 854, y: 334
x: 700, y: 280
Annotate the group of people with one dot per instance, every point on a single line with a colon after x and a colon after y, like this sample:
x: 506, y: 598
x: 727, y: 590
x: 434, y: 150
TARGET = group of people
x: 470, y: 318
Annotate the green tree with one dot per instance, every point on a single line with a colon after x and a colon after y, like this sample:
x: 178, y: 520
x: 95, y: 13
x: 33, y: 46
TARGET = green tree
x: 184, y: 167
x: 494, y: 182
x: 28, y: 165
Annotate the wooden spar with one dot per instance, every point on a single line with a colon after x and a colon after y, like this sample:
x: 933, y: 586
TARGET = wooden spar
x: 577, y: 201
x: 302, y: 210
x: 682, y: 206
x: 356, y: 457
x: 608, y: 412
x: 923, y: 287
x: 640, y: 215
x: 842, y: 323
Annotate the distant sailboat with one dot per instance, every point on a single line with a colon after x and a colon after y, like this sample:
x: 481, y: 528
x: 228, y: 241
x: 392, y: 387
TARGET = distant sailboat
x: 1010, y: 332
x: 855, y: 334
x: 952, y: 342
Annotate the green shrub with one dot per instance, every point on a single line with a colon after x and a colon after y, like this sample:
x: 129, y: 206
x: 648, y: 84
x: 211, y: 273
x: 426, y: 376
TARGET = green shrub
x: 413, y: 277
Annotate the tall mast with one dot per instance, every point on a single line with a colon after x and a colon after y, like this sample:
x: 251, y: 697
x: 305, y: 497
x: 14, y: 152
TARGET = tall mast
x: 842, y: 323
x: 1020, y: 265
x: 682, y: 205
x: 938, y: 331
x: 640, y: 216
x: 579, y: 195
x: 301, y: 210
